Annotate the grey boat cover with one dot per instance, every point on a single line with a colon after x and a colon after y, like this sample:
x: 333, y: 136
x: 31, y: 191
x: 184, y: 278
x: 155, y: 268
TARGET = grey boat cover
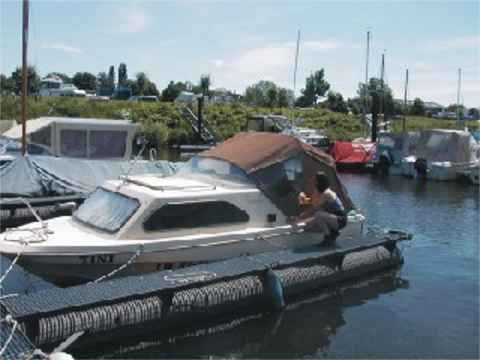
x: 445, y: 145
x: 45, y: 176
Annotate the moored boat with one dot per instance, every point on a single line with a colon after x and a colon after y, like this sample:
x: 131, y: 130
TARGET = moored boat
x: 232, y: 200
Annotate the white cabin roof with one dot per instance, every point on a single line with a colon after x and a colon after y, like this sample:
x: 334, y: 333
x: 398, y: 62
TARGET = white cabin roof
x: 37, y: 124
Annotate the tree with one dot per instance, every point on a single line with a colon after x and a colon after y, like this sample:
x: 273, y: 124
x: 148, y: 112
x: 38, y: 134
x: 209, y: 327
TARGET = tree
x: 355, y: 105
x: 379, y: 99
x: 283, y: 98
x: 111, y: 80
x: 85, y: 81
x: 272, y: 96
x: 103, y: 88
x: 418, y: 107
x: 33, y: 80
x: 474, y: 113
x: 64, y: 77
x: 336, y: 103
x: 315, y: 86
x: 7, y: 86
x: 151, y: 89
x: 205, y: 84
x: 172, y: 90
x: 454, y: 107
x: 122, y: 74
x: 142, y: 81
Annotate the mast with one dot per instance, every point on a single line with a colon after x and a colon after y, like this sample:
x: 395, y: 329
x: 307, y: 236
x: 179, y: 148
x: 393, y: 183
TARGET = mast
x: 459, y: 120
x: 404, y: 122
x: 382, y: 86
x: 24, y: 76
x: 296, y: 64
x: 365, y: 95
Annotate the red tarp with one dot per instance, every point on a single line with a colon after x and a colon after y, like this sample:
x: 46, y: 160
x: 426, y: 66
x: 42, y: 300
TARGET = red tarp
x: 345, y: 152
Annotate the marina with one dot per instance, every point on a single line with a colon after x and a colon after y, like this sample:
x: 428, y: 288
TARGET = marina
x: 255, y: 220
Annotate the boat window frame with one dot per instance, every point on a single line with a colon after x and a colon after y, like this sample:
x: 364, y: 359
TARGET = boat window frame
x: 193, y: 228
x: 122, y: 224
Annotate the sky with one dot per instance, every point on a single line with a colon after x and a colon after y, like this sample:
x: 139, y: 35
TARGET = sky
x: 241, y: 42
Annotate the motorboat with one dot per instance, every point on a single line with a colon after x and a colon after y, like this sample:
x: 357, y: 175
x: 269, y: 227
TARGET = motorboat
x: 313, y: 137
x: 229, y: 201
x: 392, y: 149
x: 66, y: 159
x: 442, y: 155
x: 354, y: 155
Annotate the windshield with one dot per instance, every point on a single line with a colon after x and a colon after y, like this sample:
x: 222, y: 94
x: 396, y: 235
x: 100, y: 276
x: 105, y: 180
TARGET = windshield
x: 106, y: 210
x: 214, y: 167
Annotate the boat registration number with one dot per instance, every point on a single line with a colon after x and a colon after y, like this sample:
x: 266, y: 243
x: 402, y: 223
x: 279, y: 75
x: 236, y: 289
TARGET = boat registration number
x: 97, y: 259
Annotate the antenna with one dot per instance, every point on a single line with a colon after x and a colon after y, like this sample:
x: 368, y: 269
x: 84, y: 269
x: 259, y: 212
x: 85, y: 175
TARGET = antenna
x: 404, y: 122
x: 296, y: 64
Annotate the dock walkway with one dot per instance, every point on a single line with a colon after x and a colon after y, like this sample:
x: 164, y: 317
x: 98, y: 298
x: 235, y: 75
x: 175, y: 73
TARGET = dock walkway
x: 172, y: 297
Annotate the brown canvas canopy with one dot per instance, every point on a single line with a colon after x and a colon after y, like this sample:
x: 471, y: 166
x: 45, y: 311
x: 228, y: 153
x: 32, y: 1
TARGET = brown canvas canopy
x: 281, y: 165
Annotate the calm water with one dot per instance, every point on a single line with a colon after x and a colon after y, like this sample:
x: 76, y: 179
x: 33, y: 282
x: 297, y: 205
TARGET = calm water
x: 428, y: 308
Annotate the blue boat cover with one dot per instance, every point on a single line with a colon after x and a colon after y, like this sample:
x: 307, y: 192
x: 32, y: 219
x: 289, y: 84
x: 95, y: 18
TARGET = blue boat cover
x: 44, y: 176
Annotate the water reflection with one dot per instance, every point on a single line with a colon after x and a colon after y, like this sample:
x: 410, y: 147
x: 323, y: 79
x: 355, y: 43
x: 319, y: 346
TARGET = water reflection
x: 304, y: 329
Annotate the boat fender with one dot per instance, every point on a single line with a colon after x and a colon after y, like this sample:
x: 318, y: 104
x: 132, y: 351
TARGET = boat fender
x: 60, y: 356
x: 273, y: 290
x: 384, y: 163
x: 421, y: 167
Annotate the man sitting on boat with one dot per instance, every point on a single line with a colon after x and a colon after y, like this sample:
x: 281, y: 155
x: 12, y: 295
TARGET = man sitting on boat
x: 323, y: 210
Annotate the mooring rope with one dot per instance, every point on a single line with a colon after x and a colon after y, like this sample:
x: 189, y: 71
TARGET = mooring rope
x: 120, y: 268
x: 10, y: 321
x: 41, y: 234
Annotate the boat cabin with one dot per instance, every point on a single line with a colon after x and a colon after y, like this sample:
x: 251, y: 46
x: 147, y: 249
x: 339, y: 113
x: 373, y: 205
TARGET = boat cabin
x: 79, y: 137
x: 220, y: 190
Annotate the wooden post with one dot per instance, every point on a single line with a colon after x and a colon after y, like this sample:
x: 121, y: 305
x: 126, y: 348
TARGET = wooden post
x: 24, y: 76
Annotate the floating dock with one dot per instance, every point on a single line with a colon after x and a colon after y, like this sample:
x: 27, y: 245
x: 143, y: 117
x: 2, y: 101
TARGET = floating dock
x: 173, y: 298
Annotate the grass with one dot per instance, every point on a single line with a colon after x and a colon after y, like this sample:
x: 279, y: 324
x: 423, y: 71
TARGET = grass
x: 162, y: 123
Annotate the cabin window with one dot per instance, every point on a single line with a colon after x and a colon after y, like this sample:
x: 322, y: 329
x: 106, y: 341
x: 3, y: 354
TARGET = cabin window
x: 106, y: 210
x: 195, y: 215
x: 107, y: 144
x: 42, y: 136
x: 73, y: 143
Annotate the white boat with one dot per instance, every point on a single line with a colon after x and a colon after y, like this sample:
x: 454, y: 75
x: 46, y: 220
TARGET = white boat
x: 78, y: 137
x: 54, y: 86
x: 309, y: 136
x: 441, y: 155
x: 233, y: 200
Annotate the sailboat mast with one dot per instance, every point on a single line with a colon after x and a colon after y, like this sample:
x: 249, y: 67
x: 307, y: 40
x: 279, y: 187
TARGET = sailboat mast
x: 382, y: 84
x: 365, y: 95
x: 24, y: 76
x: 405, y: 107
x: 459, y: 120
x: 296, y: 64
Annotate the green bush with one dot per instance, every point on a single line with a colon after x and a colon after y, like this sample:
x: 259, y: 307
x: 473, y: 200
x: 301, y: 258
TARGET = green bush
x: 162, y: 123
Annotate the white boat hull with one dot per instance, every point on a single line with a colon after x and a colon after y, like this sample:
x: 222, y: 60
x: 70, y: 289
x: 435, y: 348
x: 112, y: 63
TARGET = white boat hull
x: 75, y: 268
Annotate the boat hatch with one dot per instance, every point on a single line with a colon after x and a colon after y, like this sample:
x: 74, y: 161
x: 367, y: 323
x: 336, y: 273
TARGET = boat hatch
x: 168, y: 183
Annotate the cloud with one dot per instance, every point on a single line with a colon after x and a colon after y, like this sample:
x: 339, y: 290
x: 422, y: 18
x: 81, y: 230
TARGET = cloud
x: 465, y: 42
x: 131, y: 20
x: 62, y: 47
x: 217, y: 62
x: 272, y: 61
x: 323, y: 45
